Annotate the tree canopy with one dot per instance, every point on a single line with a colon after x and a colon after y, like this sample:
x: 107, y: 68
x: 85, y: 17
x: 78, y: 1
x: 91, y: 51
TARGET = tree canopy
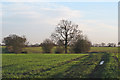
x: 65, y: 33
x: 14, y: 43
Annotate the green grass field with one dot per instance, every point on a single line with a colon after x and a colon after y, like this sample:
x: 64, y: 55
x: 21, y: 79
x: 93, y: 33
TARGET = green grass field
x: 104, y: 49
x: 84, y: 65
x: 59, y: 66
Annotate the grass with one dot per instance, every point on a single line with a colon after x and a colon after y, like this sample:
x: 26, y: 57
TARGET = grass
x: 111, y: 67
x: 38, y: 65
x: 33, y: 49
x: 24, y: 65
x: 104, y: 49
x: 84, y: 67
x: 59, y: 65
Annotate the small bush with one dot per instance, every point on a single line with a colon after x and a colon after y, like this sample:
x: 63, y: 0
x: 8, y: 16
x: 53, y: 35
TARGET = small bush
x: 59, y: 50
x: 81, y: 45
x: 47, y: 45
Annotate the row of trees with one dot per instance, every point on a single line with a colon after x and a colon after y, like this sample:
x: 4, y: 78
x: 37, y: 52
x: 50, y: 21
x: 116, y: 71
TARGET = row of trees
x: 66, y: 36
x: 104, y: 45
x: 92, y: 45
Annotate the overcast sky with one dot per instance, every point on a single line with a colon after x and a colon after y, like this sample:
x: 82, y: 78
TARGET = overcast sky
x: 97, y: 20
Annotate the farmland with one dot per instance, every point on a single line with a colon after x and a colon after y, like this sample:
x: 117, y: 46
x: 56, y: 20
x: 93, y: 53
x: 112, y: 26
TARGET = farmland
x: 59, y: 65
x: 104, y: 49
x: 35, y: 64
x: 63, y: 40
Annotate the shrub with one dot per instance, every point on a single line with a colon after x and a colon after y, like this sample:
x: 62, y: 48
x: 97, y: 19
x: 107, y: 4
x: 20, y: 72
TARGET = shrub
x: 47, y: 45
x: 14, y: 43
x: 59, y: 49
x: 81, y: 45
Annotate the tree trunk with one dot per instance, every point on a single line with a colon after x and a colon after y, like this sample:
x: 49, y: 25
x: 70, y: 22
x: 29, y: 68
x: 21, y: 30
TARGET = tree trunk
x: 65, y: 47
x: 66, y: 39
x: 66, y: 43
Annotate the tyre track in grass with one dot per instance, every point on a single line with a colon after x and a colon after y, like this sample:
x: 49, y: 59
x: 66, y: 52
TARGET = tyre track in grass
x: 48, y: 69
x: 116, y: 58
x: 9, y: 65
x: 99, y: 69
x: 56, y: 65
x: 117, y: 61
x: 78, y: 70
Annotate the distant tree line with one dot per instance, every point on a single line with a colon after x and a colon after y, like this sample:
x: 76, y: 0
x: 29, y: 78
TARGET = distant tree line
x: 104, y: 45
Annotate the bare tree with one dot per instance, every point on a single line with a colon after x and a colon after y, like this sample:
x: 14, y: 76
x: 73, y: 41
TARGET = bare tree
x: 111, y: 45
x: 65, y: 32
x: 118, y: 43
x: 103, y: 44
